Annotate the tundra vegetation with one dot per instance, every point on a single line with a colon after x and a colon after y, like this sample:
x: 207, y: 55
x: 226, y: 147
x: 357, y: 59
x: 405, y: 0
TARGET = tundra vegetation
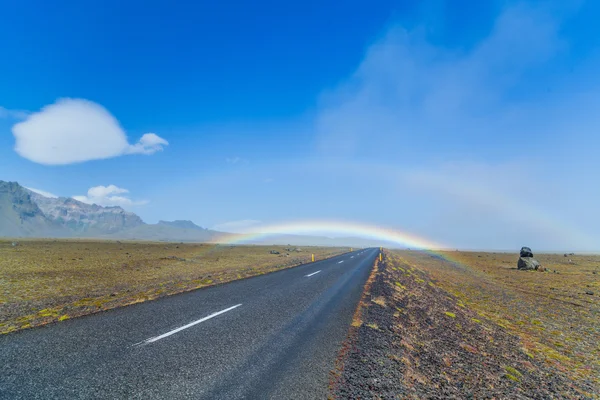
x: 44, y: 281
x: 471, y: 325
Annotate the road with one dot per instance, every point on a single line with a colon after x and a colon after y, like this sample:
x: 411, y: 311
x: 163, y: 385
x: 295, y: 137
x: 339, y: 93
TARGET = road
x: 274, y: 336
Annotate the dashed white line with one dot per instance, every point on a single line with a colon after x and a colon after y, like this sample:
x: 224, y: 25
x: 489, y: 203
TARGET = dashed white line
x: 341, y: 262
x: 352, y: 257
x: 313, y: 273
x: 164, y: 335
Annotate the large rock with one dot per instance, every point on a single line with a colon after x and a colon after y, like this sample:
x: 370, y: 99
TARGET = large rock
x: 526, y: 252
x: 528, y: 264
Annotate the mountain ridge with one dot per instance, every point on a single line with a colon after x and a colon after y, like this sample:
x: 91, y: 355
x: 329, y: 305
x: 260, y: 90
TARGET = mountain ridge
x: 20, y: 216
x: 85, y: 219
x: 179, y: 223
x: 25, y: 213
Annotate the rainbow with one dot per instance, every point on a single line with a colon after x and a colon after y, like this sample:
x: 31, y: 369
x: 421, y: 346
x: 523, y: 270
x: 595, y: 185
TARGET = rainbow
x: 511, y: 208
x: 388, y: 235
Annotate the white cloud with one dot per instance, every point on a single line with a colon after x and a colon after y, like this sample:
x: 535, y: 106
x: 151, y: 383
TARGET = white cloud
x: 42, y: 192
x: 492, y: 142
x: 150, y: 143
x: 110, y: 195
x: 498, y: 206
x: 240, y: 226
x: 15, y: 114
x: 76, y: 130
x: 407, y: 91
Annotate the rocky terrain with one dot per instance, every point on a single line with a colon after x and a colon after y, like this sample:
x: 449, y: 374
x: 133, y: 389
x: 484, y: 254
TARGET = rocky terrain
x: 24, y: 213
x: 85, y: 219
x: 20, y: 216
x: 453, y: 336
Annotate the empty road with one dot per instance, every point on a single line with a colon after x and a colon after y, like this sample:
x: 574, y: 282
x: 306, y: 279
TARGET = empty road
x: 274, y: 336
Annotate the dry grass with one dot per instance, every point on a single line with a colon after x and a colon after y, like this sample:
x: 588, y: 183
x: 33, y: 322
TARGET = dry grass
x: 357, y: 317
x: 448, y: 336
x: 556, y: 320
x: 379, y: 300
x: 43, y: 281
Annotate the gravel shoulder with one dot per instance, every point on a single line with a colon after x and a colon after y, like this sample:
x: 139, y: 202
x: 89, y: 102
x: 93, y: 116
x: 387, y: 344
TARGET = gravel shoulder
x: 412, y: 339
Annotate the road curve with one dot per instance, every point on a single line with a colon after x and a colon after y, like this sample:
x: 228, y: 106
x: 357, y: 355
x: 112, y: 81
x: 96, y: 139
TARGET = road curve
x: 274, y: 336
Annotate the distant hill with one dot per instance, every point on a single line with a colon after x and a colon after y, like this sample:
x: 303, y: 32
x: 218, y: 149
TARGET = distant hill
x: 304, y: 240
x: 167, y: 233
x: 181, y: 224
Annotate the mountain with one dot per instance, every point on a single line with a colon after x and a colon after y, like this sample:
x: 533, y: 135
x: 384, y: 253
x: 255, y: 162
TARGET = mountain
x: 85, y: 219
x: 27, y: 213
x: 20, y: 216
x: 184, y: 224
x: 24, y: 213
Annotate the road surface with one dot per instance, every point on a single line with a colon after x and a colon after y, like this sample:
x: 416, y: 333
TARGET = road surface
x: 274, y: 336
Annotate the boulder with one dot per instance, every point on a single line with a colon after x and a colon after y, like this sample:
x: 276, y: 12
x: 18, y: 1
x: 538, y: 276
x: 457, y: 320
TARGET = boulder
x: 526, y: 252
x: 527, y: 264
x: 274, y: 252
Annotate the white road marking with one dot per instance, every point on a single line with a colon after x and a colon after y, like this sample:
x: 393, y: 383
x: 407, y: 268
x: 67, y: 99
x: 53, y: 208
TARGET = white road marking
x: 164, y: 335
x: 341, y: 262
x: 314, y: 273
x: 352, y: 257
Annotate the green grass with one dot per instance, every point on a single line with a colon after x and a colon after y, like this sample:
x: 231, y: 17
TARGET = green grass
x: 513, y: 371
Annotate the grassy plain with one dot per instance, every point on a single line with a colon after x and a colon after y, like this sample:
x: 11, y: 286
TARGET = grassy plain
x: 43, y: 281
x: 556, y: 314
x: 470, y: 325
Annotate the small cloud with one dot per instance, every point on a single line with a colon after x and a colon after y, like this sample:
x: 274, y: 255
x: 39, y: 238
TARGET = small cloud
x: 110, y: 195
x: 77, y: 130
x: 42, y: 192
x: 233, y: 160
x: 240, y: 226
x: 14, y: 114
x: 148, y: 144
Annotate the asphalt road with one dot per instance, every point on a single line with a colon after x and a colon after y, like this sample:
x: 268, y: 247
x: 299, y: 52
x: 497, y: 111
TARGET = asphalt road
x: 274, y: 336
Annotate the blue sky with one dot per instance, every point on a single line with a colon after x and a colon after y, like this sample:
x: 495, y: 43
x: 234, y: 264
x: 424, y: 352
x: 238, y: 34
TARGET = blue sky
x: 473, y: 124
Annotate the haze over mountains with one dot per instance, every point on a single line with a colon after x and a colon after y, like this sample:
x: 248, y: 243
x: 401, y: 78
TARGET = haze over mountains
x: 24, y: 213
